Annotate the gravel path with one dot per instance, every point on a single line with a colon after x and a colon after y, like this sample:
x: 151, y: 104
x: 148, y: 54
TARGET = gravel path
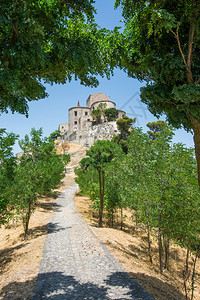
x: 76, y: 265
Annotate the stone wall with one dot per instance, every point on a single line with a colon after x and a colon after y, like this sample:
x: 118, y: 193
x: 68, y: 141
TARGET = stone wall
x: 96, y: 98
x: 108, y: 104
x: 80, y: 128
x: 77, y: 117
x: 104, y: 131
x: 121, y: 114
x: 63, y: 128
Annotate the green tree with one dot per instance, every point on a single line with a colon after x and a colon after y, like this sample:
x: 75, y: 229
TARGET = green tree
x: 99, y: 113
x: 8, y: 164
x: 87, y: 179
x: 124, y: 126
x: 155, y: 129
x: 99, y: 155
x: 111, y: 114
x: 139, y: 191
x: 46, y: 42
x: 113, y: 189
x: 160, y: 44
x: 39, y: 171
x: 161, y: 187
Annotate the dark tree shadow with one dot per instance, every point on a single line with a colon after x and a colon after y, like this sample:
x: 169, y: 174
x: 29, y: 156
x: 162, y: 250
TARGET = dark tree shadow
x: 37, y: 231
x: 48, y: 207
x: 18, y: 290
x: 174, y: 254
x: 132, y: 250
x: 135, y: 291
x: 6, y: 255
x: 57, y: 286
x: 54, y: 227
x: 158, y: 288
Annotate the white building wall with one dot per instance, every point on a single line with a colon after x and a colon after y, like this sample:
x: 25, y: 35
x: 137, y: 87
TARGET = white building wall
x: 121, y: 114
x: 109, y: 104
x: 80, y: 130
x: 96, y: 98
x: 63, y: 128
x: 77, y: 116
x: 104, y: 131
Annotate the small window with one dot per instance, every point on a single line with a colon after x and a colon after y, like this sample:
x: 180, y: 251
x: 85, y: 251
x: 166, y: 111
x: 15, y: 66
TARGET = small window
x: 88, y: 120
x: 62, y: 127
x: 80, y: 136
x: 75, y: 113
x: 86, y: 113
x: 75, y: 122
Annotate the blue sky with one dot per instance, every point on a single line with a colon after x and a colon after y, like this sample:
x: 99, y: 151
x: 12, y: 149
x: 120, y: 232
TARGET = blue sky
x: 50, y: 112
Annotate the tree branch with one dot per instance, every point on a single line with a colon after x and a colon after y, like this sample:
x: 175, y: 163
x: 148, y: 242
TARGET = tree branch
x: 12, y: 42
x: 190, y: 42
x: 190, y: 78
x: 179, y: 45
x: 145, y: 75
x: 173, y: 32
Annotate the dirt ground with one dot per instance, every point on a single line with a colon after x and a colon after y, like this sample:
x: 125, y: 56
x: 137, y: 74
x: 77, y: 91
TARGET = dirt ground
x: 20, y: 260
x: 129, y: 246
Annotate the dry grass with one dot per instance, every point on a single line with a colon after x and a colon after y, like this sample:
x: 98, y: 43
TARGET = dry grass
x: 19, y: 258
x: 129, y: 246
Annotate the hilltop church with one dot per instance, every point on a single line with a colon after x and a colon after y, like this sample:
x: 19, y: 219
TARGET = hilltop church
x: 80, y: 127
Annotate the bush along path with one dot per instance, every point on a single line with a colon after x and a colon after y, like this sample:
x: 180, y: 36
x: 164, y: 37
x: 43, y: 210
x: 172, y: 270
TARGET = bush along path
x: 75, y: 264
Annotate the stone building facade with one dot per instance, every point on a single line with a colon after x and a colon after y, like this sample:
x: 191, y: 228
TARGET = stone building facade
x: 80, y: 127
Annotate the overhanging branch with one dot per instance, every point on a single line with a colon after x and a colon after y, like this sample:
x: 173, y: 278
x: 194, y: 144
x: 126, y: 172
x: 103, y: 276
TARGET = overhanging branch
x: 190, y: 78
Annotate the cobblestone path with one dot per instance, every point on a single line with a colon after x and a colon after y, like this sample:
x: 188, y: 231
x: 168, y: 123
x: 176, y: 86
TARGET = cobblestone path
x: 75, y: 265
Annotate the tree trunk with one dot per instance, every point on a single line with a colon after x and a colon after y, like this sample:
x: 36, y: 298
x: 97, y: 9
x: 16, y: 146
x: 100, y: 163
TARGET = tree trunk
x: 160, y: 247
x: 101, y: 190
x: 136, y: 219
x: 193, y: 275
x: 100, y: 193
x: 196, y: 129
x: 186, y: 273
x: 187, y: 262
x: 27, y: 219
x: 112, y: 218
x: 149, y: 244
x: 121, y: 218
x: 166, y: 246
x: 148, y: 236
x: 160, y: 250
